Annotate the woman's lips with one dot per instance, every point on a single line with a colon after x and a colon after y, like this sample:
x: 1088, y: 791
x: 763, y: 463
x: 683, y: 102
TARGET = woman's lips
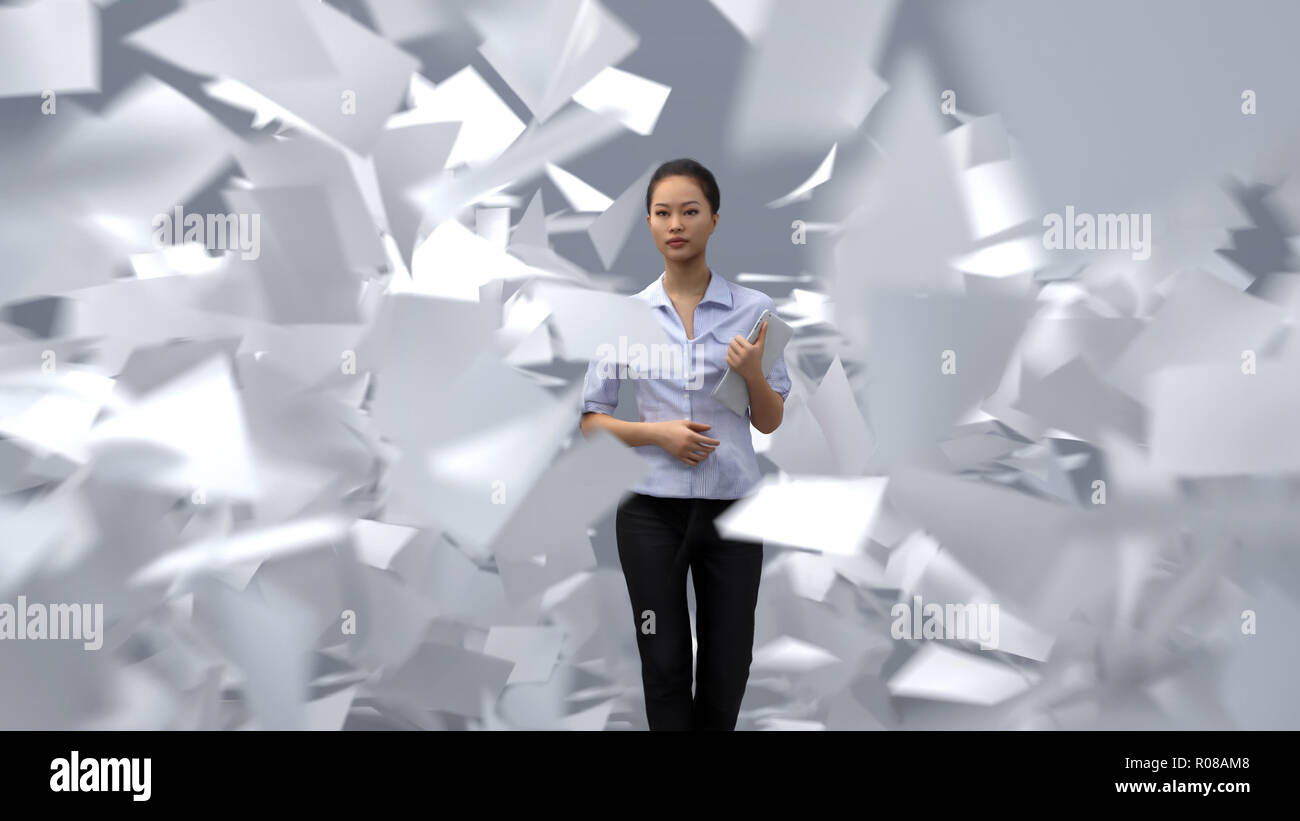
x: 676, y: 242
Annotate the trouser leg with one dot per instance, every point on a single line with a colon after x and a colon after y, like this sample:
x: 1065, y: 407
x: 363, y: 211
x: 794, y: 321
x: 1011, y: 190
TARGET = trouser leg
x: 650, y: 533
x: 726, y: 575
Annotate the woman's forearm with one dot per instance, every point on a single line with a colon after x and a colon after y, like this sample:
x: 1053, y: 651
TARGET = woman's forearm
x: 766, y: 407
x: 633, y: 434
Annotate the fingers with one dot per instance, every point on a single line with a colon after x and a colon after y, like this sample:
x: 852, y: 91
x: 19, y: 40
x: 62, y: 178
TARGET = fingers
x: 701, y: 448
x: 693, y: 458
x: 698, y: 447
x: 740, y: 343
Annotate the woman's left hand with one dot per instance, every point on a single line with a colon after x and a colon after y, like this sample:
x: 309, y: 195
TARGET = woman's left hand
x: 746, y: 358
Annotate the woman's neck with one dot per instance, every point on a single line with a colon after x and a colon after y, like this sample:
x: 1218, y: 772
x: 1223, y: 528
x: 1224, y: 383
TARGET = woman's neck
x: 688, y: 282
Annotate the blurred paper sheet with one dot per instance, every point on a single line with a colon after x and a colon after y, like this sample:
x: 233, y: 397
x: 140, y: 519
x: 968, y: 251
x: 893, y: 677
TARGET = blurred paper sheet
x: 941, y: 673
x: 51, y: 46
x: 1214, y: 420
x: 830, y: 515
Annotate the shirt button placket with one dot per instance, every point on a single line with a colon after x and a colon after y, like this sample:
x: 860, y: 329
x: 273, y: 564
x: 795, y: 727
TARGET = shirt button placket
x: 686, y: 394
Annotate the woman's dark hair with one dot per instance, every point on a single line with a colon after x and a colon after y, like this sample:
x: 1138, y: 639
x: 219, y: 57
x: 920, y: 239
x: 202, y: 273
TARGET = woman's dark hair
x: 686, y: 167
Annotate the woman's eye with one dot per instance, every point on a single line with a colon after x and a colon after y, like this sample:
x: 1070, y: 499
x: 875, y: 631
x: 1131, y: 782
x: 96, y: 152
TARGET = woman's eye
x: 693, y: 211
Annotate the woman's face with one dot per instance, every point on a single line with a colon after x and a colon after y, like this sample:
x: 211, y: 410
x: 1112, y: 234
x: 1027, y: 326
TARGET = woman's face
x: 680, y: 219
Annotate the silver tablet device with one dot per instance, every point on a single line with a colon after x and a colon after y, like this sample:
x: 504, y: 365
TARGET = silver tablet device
x: 732, y: 390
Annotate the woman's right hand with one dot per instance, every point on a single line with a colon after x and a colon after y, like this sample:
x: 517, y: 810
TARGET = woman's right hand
x: 683, y: 439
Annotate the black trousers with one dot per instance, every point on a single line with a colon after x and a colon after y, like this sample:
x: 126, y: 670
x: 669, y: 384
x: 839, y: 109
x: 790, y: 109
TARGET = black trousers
x: 659, y: 538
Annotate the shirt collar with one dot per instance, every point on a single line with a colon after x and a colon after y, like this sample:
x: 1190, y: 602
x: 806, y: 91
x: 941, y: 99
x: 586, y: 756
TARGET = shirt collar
x: 719, y: 291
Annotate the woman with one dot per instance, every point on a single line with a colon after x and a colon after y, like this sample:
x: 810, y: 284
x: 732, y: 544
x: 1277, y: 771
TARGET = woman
x: 701, y: 459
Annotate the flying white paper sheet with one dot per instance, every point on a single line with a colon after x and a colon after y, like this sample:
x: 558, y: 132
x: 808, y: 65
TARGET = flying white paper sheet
x: 827, y: 514
x: 308, y: 57
x: 804, y: 83
x: 49, y: 47
x: 487, y: 125
x: 634, y: 101
x: 534, y: 650
x: 196, y: 426
x: 804, y: 190
x: 943, y: 674
x: 581, y: 195
x: 548, y: 50
x: 1215, y: 420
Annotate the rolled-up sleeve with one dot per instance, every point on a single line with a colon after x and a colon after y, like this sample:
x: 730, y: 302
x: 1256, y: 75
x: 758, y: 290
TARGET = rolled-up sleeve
x: 779, y: 377
x: 600, y: 392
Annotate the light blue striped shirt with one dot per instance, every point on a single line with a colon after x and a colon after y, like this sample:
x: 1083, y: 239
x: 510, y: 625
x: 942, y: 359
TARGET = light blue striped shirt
x: 731, y: 470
